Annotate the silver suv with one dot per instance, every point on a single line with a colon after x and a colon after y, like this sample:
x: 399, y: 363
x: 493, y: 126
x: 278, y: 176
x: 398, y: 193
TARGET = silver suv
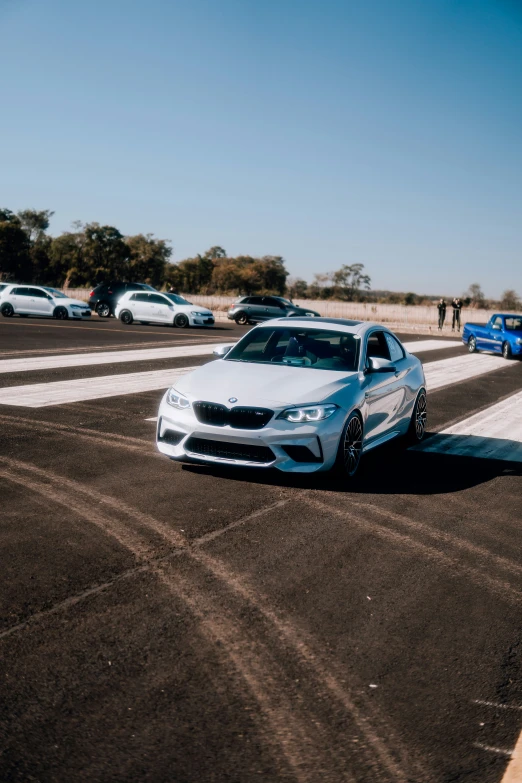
x: 251, y: 309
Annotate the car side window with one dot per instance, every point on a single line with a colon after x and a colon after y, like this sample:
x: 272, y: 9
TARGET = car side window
x: 21, y: 291
x: 157, y: 299
x: 141, y: 298
x: 36, y: 292
x: 497, y: 321
x: 377, y: 347
x: 394, y: 347
x: 256, y: 300
x: 270, y: 301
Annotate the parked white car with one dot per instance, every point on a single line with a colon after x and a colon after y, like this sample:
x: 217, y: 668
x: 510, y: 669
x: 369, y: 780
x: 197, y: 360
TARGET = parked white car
x: 161, y: 308
x: 25, y: 300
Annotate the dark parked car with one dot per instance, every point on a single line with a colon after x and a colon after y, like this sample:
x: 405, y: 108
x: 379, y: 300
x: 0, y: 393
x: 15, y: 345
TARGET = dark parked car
x: 250, y: 309
x: 104, y: 298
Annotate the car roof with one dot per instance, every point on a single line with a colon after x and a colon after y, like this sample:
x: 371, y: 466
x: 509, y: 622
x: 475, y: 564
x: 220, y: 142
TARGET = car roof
x: 334, y: 324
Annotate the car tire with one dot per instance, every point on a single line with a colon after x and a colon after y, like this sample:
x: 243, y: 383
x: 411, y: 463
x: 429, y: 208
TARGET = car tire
x: 506, y: 351
x: 419, y: 420
x: 349, y: 452
x: 472, y: 345
x: 61, y: 313
x: 126, y: 317
x: 7, y: 310
x: 103, y: 310
x: 181, y: 321
x: 241, y: 319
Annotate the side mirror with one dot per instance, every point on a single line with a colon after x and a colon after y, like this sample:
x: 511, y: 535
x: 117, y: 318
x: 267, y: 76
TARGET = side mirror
x: 379, y: 365
x: 496, y: 326
x: 222, y: 350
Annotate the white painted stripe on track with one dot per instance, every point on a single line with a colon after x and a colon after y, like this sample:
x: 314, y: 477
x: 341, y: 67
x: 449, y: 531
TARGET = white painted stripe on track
x: 431, y: 345
x: 513, y: 773
x: 446, y: 372
x: 495, y: 433
x: 57, y: 361
x: 438, y: 375
x: 34, y: 363
x: 41, y: 395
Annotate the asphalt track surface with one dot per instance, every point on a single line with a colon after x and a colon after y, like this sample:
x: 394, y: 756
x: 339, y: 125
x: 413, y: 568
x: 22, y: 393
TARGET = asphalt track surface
x: 161, y: 622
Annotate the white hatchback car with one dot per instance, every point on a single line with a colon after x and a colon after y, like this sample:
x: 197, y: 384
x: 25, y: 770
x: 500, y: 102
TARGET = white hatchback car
x: 25, y: 300
x: 171, y: 309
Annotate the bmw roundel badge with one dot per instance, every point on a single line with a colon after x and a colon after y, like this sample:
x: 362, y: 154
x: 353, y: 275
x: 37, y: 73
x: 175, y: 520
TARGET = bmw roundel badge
x: 232, y: 399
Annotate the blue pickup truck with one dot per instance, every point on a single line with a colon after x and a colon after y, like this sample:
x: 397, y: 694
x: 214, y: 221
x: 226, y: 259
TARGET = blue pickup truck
x: 502, y: 334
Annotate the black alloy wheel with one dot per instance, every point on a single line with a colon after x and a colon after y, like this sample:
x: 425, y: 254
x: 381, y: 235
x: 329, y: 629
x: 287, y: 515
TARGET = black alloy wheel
x: 181, y: 321
x: 506, y: 351
x: 126, y: 317
x: 7, y: 310
x: 419, y: 420
x: 61, y: 313
x: 103, y: 310
x: 472, y: 345
x: 350, y: 447
x: 241, y: 319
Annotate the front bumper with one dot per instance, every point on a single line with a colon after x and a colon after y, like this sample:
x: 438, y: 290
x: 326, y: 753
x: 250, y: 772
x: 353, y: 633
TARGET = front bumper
x: 79, y: 313
x: 196, y: 320
x: 305, y: 448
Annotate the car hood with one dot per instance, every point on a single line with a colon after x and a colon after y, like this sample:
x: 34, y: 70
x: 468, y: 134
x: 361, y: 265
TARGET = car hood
x: 261, y: 384
x: 67, y: 301
x: 192, y: 308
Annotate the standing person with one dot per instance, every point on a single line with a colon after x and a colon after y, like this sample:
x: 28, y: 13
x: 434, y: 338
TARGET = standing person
x: 441, y: 307
x: 457, y: 307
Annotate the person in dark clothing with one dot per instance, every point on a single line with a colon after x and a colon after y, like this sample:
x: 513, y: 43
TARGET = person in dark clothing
x: 457, y: 307
x: 172, y: 290
x: 441, y: 307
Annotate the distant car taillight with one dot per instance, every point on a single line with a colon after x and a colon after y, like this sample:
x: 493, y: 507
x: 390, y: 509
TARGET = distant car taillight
x: 92, y: 293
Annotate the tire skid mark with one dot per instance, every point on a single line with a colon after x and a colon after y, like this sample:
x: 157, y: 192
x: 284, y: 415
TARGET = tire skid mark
x: 321, y: 671
x: 442, y: 537
x: 288, y: 720
x: 305, y: 757
x: 499, y: 587
x: 328, y: 679
x: 110, y: 439
x: 112, y: 527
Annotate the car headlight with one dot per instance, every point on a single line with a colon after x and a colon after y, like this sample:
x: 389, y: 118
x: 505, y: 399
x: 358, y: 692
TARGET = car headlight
x: 196, y: 312
x: 177, y: 400
x: 519, y: 340
x: 311, y: 315
x: 77, y: 307
x: 311, y: 413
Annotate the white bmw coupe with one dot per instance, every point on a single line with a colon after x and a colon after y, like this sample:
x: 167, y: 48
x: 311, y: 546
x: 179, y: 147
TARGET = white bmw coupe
x: 301, y: 395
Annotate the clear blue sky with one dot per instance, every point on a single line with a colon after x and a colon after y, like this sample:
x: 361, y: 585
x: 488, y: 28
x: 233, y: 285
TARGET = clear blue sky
x: 387, y: 132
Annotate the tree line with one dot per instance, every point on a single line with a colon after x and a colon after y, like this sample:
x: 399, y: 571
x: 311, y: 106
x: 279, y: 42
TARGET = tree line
x: 91, y: 253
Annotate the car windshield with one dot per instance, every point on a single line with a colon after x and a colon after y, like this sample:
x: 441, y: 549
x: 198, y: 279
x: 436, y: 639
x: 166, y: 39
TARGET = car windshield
x: 177, y: 299
x: 315, y: 348
x: 55, y: 293
x: 147, y: 287
x: 514, y: 323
